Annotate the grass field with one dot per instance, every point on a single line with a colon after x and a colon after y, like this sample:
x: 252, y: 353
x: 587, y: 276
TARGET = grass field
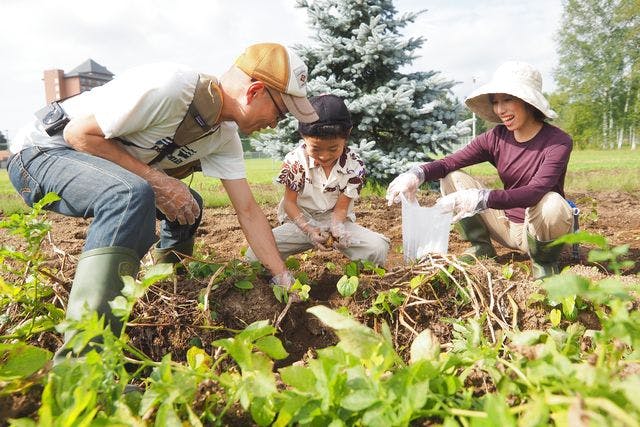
x: 589, y: 170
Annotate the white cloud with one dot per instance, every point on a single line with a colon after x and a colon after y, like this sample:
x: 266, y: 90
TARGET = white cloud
x: 469, y: 39
x: 465, y: 38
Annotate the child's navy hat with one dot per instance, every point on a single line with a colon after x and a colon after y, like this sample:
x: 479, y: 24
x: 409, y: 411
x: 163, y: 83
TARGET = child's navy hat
x: 333, y: 117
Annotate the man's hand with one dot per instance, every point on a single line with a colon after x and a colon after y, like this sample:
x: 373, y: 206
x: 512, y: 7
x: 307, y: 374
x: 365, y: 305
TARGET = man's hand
x: 313, y: 230
x: 285, y: 280
x: 464, y: 203
x: 406, y: 183
x: 173, y: 197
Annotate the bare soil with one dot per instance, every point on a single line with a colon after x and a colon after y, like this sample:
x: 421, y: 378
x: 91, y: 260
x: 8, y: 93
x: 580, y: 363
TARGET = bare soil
x: 170, y: 318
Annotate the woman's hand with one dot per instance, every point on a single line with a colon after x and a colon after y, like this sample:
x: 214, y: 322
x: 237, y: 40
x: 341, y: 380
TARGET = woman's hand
x: 406, y: 183
x: 464, y: 203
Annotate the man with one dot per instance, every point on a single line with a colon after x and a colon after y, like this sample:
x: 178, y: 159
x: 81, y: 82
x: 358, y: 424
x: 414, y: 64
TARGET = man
x: 113, y: 159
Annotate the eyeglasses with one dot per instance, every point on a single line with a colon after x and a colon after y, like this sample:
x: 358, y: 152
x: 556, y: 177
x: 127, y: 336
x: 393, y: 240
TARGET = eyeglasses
x: 281, y: 114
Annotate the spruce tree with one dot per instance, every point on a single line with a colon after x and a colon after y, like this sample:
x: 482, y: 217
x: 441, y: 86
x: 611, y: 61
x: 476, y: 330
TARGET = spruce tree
x: 358, y: 54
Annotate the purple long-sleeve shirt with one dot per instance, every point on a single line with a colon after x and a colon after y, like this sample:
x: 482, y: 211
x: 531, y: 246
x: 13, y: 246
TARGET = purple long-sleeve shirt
x: 528, y: 170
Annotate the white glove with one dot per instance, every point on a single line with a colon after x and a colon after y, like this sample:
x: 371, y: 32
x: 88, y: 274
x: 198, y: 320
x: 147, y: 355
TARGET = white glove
x: 316, y: 233
x: 406, y: 183
x: 343, y: 237
x: 464, y: 203
x: 284, y: 279
x: 173, y: 197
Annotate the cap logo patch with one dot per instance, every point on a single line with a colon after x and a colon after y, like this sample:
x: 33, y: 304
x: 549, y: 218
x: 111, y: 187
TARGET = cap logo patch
x: 301, y: 76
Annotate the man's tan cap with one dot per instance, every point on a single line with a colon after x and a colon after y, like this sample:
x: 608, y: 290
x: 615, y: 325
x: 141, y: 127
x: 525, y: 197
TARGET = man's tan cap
x: 280, y: 69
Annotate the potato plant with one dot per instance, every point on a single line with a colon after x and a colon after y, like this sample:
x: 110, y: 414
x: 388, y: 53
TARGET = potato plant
x: 564, y: 374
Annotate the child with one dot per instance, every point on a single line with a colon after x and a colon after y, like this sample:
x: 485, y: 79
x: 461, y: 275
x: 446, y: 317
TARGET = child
x: 322, y: 179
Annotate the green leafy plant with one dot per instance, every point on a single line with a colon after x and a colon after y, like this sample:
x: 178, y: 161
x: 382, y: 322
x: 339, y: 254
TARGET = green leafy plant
x: 386, y: 302
x: 603, y: 253
x: 298, y: 288
x: 25, y: 283
x: 347, y: 286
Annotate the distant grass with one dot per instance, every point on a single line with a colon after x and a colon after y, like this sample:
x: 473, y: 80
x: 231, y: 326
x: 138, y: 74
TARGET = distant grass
x: 589, y: 170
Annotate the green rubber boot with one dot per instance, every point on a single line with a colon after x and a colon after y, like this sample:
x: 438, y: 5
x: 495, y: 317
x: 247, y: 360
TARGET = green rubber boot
x: 544, y: 258
x: 98, y: 281
x: 170, y: 255
x: 474, y: 231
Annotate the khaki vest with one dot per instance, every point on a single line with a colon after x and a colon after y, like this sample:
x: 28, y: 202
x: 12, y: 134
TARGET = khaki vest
x: 200, y: 120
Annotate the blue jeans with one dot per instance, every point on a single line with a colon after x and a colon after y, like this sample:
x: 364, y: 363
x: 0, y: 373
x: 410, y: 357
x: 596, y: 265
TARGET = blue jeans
x: 121, y: 203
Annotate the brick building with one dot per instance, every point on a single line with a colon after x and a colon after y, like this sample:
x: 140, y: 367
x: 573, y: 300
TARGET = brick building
x: 60, y: 85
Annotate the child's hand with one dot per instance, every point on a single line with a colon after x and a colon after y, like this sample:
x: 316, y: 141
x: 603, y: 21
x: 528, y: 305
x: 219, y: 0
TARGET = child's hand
x: 318, y: 238
x: 340, y: 233
x: 314, y: 231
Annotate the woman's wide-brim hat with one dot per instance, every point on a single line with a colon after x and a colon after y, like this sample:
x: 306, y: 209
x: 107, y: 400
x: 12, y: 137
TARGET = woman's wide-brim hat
x: 514, y: 78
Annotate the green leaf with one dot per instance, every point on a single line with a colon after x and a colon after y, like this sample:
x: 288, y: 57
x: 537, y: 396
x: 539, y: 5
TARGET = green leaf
x: 292, y: 264
x: 132, y: 289
x: 498, y: 411
x: 198, y: 359
x: 33, y: 326
x: 119, y: 306
x: 417, y: 281
x: 359, y: 400
x: 596, y: 255
x: 47, y: 199
x: 425, y: 346
x: 564, y: 285
x: 356, y: 338
x: 535, y: 298
x: 157, y: 272
x: 303, y: 293
x: 23, y: 422
x: 331, y: 266
x: 347, y: 286
x: 569, y: 307
x: 507, y: 271
x: 527, y: 337
x: 299, y: 377
x: 272, y: 347
x: 257, y: 329
x: 243, y: 284
x: 262, y: 411
x: 555, y: 316
x: 167, y: 416
x: 21, y: 360
x: 582, y: 237
x: 351, y: 269
x: 612, y: 287
x: 280, y: 293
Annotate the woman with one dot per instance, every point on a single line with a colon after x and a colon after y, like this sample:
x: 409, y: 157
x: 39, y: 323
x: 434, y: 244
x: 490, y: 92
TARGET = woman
x: 531, y: 158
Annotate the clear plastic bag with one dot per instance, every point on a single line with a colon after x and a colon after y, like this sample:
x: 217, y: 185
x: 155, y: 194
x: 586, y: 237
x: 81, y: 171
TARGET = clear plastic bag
x: 424, y: 230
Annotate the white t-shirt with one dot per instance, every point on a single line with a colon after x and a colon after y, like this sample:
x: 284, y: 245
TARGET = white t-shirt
x: 317, y: 192
x: 144, y: 106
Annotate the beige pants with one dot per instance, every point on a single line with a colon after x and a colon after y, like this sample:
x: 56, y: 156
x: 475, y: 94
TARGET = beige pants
x: 367, y: 244
x: 549, y: 219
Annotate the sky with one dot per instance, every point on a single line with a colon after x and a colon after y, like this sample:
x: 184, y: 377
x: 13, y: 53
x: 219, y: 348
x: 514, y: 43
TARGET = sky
x: 465, y: 39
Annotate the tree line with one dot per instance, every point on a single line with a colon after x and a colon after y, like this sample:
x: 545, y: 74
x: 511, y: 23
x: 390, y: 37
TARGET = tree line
x: 598, y: 76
